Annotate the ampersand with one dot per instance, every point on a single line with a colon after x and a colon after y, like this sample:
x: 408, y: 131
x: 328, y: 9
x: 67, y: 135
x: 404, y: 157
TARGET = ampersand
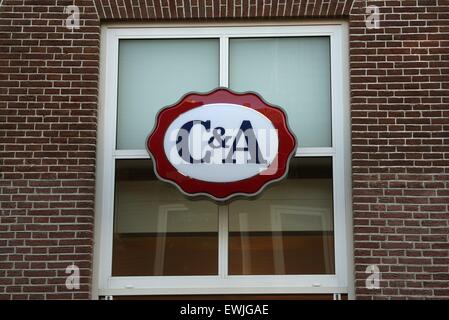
x: 218, y: 135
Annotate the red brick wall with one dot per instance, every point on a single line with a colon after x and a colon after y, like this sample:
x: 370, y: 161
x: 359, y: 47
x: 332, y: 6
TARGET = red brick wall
x: 400, y: 148
x: 48, y: 110
x: 400, y: 112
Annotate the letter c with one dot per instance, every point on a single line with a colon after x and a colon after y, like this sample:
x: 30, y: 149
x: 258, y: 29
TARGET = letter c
x: 182, y: 141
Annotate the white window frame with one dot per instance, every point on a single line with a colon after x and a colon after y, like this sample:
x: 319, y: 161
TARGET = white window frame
x: 106, y: 285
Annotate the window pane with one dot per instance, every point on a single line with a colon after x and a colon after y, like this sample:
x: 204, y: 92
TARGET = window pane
x: 156, y: 230
x: 293, y: 73
x: 289, y: 229
x: 157, y: 73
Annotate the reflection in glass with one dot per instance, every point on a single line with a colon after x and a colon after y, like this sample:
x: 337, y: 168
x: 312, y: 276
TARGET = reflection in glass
x: 156, y: 230
x: 289, y: 229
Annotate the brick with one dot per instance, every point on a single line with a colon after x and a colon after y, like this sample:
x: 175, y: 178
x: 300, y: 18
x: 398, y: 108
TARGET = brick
x: 399, y: 98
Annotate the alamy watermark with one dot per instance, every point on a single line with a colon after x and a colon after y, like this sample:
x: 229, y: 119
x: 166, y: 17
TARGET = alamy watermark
x: 72, y: 281
x: 372, y: 282
x: 372, y: 18
x: 72, y: 22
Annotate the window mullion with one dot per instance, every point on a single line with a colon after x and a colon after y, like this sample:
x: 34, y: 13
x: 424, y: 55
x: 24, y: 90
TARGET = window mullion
x: 315, y: 152
x: 223, y: 240
x: 224, y: 61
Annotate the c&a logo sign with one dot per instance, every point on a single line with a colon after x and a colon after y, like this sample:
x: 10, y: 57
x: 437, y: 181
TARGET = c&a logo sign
x: 221, y: 144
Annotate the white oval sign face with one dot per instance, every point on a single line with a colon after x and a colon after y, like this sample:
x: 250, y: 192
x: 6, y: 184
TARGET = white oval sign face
x: 221, y: 142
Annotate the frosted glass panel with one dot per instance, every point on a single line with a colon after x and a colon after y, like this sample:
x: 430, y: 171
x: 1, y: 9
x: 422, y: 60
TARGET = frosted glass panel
x: 293, y: 73
x: 157, y: 73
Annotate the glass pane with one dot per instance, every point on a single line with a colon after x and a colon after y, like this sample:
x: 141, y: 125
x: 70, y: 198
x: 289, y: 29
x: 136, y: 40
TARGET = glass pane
x: 157, y: 73
x: 293, y: 73
x: 289, y: 229
x: 156, y: 230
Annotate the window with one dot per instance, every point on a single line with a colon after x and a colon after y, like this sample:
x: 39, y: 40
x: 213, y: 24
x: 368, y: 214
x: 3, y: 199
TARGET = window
x: 289, y: 228
x: 158, y: 232
x: 291, y: 239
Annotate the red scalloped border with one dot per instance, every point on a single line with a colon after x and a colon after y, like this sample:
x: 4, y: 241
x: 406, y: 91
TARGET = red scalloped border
x: 220, y: 191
